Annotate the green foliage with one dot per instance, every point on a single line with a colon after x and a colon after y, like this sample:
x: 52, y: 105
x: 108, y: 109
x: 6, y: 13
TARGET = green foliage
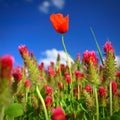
x: 14, y: 110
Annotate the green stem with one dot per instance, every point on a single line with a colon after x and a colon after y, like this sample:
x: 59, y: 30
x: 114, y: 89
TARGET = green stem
x: 78, y: 91
x: 97, y: 104
x: 26, y: 96
x: 68, y: 62
x: 110, y: 99
x: 42, y: 101
x: 103, y: 112
x: 2, y: 113
x: 65, y: 48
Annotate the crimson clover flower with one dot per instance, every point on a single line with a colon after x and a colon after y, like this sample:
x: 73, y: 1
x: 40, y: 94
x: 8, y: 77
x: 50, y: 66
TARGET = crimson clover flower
x: 27, y: 83
x: 114, y: 88
x: 48, y: 90
x: 59, y: 22
x: 17, y: 75
x: 48, y: 101
x: 108, y: 47
x: 58, y: 114
x: 90, y: 56
x: 102, y: 92
x: 6, y: 64
x: 23, y: 50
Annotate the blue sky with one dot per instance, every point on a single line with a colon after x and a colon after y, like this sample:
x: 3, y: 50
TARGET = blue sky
x: 27, y: 22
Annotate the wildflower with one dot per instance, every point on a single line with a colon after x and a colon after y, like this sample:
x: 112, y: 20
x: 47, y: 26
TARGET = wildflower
x: 68, y: 79
x: 6, y: 64
x: 118, y: 74
x: 48, y: 90
x: 88, y: 88
x: 27, y: 83
x: 59, y: 22
x: 108, y: 48
x: 79, y: 75
x: 60, y: 85
x: 114, y: 88
x: 109, y: 68
x: 17, y: 76
x: 102, y: 92
x: 48, y: 101
x: 51, y: 72
x: 90, y: 56
x: 102, y: 96
x: 58, y: 114
x: 23, y: 50
x: 66, y: 73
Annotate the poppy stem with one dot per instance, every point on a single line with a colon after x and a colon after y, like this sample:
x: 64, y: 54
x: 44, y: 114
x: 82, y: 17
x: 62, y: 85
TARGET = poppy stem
x: 67, y: 55
x: 63, y: 43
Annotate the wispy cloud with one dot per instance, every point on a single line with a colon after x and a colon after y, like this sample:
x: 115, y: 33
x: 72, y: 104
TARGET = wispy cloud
x: 51, y: 56
x: 58, y: 3
x: 46, y: 5
x: 117, y: 60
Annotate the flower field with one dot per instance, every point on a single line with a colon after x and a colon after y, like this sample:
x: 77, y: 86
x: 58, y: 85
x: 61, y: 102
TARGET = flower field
x: 87, y: 89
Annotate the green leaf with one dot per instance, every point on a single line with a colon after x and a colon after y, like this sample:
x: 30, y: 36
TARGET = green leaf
x: 14, y: 110
x: 97, y: 45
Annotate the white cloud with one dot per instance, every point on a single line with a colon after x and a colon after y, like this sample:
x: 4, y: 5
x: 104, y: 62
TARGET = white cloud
x: 117, y: 59
x: 46, y: 5
x: 51, y: 56
x: 58, y: 3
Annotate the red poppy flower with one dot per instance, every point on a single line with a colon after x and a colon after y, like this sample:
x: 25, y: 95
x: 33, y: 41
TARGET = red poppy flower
x: 59, y: 22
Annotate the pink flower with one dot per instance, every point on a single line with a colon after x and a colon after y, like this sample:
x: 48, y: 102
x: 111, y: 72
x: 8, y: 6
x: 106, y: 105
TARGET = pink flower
x: 90, y: 56
x: 51, y: 72
x: 114, y: 87
x: 60, y: 85
x: 108, y: 47
x: 6, y: 65
x: 48, y: 101
x: 88, y: 88
x: 68, y: 79
x: 27, y: 83
x: 58, y: 114
x: 102, y: 92
x: 48, y: 90
x: 79, y: 75
x: 118, y: 74
x: 41, y: 66
x: 23, y: 50
x: 17, y: 74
